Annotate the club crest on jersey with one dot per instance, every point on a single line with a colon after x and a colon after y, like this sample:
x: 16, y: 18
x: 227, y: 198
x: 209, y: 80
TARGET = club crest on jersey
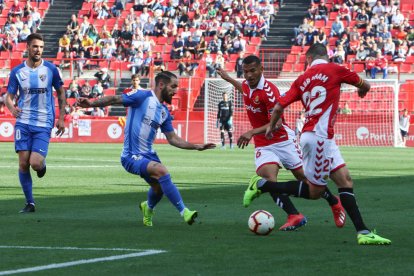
x: 42, y: 77
x: 256, y: 100
x: 163, y: 114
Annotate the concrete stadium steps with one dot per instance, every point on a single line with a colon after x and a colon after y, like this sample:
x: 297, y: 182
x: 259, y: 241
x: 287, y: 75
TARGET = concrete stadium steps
x: 281, y: 30
x: 55, y: 22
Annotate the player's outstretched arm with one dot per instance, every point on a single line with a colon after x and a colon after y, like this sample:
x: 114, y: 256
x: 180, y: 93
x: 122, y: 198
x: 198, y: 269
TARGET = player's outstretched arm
x: 223, y: 74
x: 363, y: 88
x: 176, y: 141
x: 60, y: 124
x: 276, y: 115
x: 104, y: 101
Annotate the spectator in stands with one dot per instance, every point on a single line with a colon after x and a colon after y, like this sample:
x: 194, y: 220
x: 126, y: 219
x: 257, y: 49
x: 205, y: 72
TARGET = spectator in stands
x: 262, y: 28
x: 74, y: 88
x: 65, y: 62
x: 249, y: 29
x: 158, y: 65
x: 81, y: 63
x: 346, y: 110
x: 201, y: 47
x: 177, y: 48
x: 362, y: 19
x: 85, y: 91
x: 404, y: 123
x: 18, y: 23
x: 374, y: 21
x: 135, y: 81
x: 397, y: 19
x: 380, y: 44
x: 187, y: 65
x: 159, y: 27
x: 378, y: 9
x: 8, y: 23
x: 86, y: 45
x: 2, y: 5
x: 97, y: 90
x: 191, y: 46
x: 171, y: 28
x: 219, y: 62
x: 345, y: 13
x: 339, y: 55
x: 368, y: 32
x: 337, y: 27
x: 5, y: 44
x: 210, y: 65
x: 24, y: 33
x: 320, y: 37
x: 97, y: 112
x: 73, y: 25
x: 401, y: 53
x: 103, y: 77
x: 183, y: 19
x: 147, y: 64
x: 322, y: 12
x: 16, y: 9
x: 149, y: 27
x: 13, y: 34
x: 64, y: 43
x: 361, y: 53
x: 389, y: 47
x: 401, y: 35
x: 309, y: 37
x: 93, y: 33
x: 117, y: 8
x: 95, y: 51
x: 381, y: 65
x: 239, y: 65
x: 84, y: 26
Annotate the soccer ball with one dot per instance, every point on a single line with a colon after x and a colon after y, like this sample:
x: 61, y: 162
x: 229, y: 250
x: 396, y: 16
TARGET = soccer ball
x: 261, y: 222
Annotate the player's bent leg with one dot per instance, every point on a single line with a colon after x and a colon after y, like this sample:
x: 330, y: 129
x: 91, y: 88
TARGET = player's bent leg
x: 252, y: 191
x: 26, y: 182
x: 38, y: 163
x: 147, y: 213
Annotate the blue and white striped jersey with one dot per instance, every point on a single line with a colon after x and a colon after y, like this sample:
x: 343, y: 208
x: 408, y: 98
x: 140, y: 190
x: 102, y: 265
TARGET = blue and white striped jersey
x: 35, y: 93
x: 145, y: 115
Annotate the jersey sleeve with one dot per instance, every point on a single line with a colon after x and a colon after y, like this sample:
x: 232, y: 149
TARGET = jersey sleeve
x: 292, y: 95
x: 134, y: 98
x: 167, y: 124
x: 13, y: 84
x: 56, y: 79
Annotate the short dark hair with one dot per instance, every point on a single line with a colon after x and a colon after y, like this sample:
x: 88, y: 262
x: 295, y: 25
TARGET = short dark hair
x: 165, y: 77
x: 34, y: 36
x: 134, y: 76
x: 252, y: 59
x: 317, y: 50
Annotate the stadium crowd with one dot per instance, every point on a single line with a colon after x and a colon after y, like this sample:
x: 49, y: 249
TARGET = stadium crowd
x: 373, y: 32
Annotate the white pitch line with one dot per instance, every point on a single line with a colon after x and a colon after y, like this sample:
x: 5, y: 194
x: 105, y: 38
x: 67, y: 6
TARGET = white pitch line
x: 80, y: 262
x: 69, y: 166
x: 70, y: 248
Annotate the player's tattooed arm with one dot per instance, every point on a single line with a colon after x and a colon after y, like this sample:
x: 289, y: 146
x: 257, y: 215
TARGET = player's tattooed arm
x: 363, y: 87
x: 176, y: 141
x: 223, y: 74
x: 104, y: 101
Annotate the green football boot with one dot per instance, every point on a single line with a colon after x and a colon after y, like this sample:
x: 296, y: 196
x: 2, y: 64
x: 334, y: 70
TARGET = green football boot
x: 252, y: 191
x: 189, y: 216
x: 147, y: 213
x: 372, y: 239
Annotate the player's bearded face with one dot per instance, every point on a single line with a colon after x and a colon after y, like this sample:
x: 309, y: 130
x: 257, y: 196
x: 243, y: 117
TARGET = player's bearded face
x: 35, y: 50
x: 169, y: 91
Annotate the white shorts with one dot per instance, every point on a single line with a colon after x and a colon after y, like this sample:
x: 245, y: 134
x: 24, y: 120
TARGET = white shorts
x: 286, y: 153
x: 321, y: 157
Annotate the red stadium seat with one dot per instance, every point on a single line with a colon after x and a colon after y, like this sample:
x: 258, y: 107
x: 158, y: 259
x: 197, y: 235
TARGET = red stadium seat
x: 287, y: 67
x: 405, y: 68
x: 291, y: 58
x: 295, y: 49
x: 358, y: 67
x: 255, y: 40
x: 299, y: 67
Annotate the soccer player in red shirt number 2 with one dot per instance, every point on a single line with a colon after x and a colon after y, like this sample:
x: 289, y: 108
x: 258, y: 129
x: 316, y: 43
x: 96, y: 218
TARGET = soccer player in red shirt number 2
x: 260, y: 96
x: 319, y: 90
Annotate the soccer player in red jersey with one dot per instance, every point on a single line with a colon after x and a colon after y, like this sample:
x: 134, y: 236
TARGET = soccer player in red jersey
x: 319, y: 90
x: 260, y: 97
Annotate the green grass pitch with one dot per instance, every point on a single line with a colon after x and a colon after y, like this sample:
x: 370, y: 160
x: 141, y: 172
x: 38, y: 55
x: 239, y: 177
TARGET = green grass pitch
x: 87, y: 200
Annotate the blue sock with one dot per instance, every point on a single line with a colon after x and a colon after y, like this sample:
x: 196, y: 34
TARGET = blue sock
x: 171, y: 192
x: 26, y: 182
x: 153, y: 198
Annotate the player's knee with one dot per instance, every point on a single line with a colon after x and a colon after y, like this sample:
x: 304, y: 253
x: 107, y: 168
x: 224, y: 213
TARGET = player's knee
x: 316, y: 192
x: 24, y: 165
x: 160, y: 171
x: 37, y: 166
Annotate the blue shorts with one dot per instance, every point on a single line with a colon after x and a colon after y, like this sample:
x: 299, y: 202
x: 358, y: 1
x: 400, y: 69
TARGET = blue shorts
x: 32, y: 138
x: 138, y: 164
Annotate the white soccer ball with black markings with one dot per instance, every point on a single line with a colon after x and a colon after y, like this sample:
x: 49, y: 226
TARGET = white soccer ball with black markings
x: 261, y: 222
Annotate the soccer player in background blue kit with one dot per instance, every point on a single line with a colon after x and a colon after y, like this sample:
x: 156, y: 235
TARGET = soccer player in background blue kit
x: 147, y: 113
x: 32, y: 83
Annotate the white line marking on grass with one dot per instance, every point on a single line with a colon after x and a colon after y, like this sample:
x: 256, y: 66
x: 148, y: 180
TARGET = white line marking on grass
x: 69, y: 248
x: 80, y: 262
x: 70, y: 166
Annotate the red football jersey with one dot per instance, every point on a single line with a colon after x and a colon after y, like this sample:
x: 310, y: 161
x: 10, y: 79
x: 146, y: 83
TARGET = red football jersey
x: 319, y: 90
x: 259, y: 103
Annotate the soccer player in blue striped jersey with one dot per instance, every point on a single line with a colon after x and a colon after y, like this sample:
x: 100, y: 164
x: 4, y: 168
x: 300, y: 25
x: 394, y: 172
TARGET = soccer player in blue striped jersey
x: 146, y: 114
x: 30, y: 84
